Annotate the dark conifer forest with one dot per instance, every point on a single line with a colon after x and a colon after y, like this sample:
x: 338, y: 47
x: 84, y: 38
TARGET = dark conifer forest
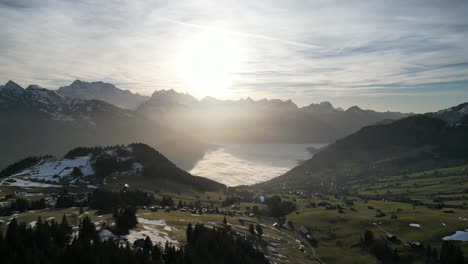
x: 53, y: 242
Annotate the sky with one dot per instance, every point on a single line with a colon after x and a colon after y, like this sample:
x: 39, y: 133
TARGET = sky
x: 409, y: 56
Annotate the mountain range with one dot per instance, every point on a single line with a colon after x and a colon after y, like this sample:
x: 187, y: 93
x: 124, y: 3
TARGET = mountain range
x: 37, y: 121
x: 247, y: 120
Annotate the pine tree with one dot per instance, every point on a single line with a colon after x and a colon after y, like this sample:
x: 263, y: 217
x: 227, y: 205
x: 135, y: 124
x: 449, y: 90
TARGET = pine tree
x: 368, y: 238
x: 189, y: 233
x: 148, y: 246
x: 252, y: 229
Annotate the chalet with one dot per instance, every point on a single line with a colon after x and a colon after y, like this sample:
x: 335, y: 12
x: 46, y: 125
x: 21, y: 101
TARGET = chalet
x: 392, y: 237
x: 303, y: 230
x: 415, y: 244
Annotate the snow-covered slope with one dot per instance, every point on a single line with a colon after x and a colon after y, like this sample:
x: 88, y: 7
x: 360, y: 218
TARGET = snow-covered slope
x: 452, y: 115
x: 75, y: 171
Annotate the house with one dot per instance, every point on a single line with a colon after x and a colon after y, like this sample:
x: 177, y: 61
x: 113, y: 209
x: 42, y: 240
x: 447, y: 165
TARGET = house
x: 415, y: 244
x: 391, y: 237
x: 303, y: 230
x: 107, y: 235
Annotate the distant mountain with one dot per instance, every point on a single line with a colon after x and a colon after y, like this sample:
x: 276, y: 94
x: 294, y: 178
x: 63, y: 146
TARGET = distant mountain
x: 247, y: 120
x: 102, y: 91
x: 37, y: 121
x: 40, y: 102
x: 407, y: 145
x: 137, y: 165
x: 166, y: 100
x: 452, y: 115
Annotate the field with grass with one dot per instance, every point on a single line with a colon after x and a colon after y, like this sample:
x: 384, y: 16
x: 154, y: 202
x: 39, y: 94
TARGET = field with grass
x: 341, y: 232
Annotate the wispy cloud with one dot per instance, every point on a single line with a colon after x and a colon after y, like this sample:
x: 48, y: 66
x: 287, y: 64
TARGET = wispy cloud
x: 243, y: 34
x: 305, y: 50
x: 346, y: 45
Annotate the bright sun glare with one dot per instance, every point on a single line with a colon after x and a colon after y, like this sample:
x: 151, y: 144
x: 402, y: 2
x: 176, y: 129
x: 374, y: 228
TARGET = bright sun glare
x: 208, y: 61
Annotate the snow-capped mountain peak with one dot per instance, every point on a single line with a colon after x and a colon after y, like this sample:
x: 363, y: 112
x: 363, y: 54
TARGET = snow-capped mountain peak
x: 42, y: 102
x: 106, y: 92
x: 11, y: 88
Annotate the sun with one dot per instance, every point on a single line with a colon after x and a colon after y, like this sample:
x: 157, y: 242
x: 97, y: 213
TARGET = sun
x: 207, y: 63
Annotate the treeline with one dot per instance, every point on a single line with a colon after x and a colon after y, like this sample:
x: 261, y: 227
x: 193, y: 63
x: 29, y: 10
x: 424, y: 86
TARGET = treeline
x: 449, y: 252
x: 107, y: 200
x: 85, y: 151
x: 105, y: 165
x: 22, y: 205
x: 206, y: 245
x: 56, y: 243
x: 275, y: 207
x: 53, y: 243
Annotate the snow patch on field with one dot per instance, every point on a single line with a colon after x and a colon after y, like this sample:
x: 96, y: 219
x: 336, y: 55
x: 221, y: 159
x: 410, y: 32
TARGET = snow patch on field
x: 149, y: 230
x: 458, y: 236
x: 156, y: 236
x: 23, y: 183
x: 152, y: 222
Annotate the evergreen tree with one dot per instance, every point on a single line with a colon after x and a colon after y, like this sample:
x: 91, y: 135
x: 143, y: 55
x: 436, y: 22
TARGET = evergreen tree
x: 252, y: 229
x: 189, y: 232
x: 368, y: 238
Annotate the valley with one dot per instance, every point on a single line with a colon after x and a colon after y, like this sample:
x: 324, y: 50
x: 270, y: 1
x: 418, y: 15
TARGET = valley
x: 382, y: 191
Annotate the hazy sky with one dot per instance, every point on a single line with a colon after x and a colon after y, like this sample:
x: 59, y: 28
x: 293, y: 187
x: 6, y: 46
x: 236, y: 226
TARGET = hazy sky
x: 383, y: 55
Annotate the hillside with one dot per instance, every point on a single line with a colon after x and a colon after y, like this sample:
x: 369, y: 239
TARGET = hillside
x: 137, y: 165
x: 412, y: 144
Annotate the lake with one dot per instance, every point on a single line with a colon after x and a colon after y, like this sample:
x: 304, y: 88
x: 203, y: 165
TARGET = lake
x: 239, y: 164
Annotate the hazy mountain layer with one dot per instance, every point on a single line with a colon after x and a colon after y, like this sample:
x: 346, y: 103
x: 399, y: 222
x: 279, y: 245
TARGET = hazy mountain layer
x: 102, y: 91
x: 265, y: 120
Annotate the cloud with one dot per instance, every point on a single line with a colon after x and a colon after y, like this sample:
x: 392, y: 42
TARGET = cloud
x: 305, y: 50
x: 234, y: 164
